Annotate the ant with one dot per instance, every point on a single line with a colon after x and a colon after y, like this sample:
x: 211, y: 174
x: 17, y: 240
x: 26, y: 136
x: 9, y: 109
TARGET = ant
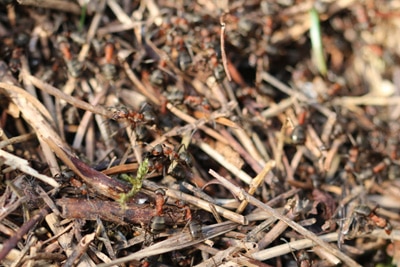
x: 195, y: 227
x: 364, y: 216
x: 217, y: 67
x: 15, y: 60
x: 197, y: 102
x: 144, y: 116
x: 162, y: 156
x: 364, y: 210
x: 19, y: 43
x: 157, y: 223
x: 158, y: 78
x: 303, y: 259
x: 370, y: 172
x: 74, y: 66
x: 108, y: 68
x: 298, y: 135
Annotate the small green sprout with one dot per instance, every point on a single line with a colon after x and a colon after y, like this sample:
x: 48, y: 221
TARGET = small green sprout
x: 135, y: 181
x: 316, y: 42
x: 82, y: 18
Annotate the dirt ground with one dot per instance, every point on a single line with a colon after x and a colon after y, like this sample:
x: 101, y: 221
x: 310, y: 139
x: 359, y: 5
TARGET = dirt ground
x: 199, y: 133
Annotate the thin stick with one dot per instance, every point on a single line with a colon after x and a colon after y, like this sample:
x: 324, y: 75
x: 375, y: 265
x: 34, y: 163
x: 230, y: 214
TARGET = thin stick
x: 15, y: 140
x: 11, y: 243
x: 119, y: 12
x: 193, y: 123
x: 223, y: 54
x: 86, y: 119
x: 278, y: 108
x: 140, y: 86
x: 70, y: 99
x: 246, y: 142
x: 94, y: 25
x: 23, y: 165
x: 62, y: 5
x: 36, y: 103
x: 256, y: 183
x: 307, y: 243
x: 240, y: 149
x: 241, y: 194
x: 175, y: 242
x: 367, y: 100
x: 230, y: 215
x: 221, y: 160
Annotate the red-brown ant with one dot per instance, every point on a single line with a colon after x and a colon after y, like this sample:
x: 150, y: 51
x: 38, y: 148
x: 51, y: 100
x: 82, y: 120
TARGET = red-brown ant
x: 303, y: 259
x: 298, y: 135
x: 163, y: 157
x: 144, y: 116
x: 364, y: 210
x: 364, y: 217
x: 370, y: 172
x: 195, y: 227
x: 197, y: 102
x: 74, y: 66
x: 157, y: 223
x: 108, y: 68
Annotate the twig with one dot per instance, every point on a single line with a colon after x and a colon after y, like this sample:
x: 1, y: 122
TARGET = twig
x: 72, y: 100
x: 16, y: 140
x: 221, y: 160
x: 307, y: 243
x: 9, y: 244
x: 278, y: 108
x: 193, y: 123
x: 240, y: 149
x: 256, y: 183
x: 84, y: 123
x: 176, y: 242
x: 139, y: 85
x: 100, y: 182
x: 119, y: 13
x: 79, y: 250
x: 23, y: 165
x: 300, y: 229
x: 330, y: 155
x: 28, y: 246
x: 199, y: 203
x: 275, y: 232
x: 249, y: 145
x: 219, y: 258
x: 62, y: 5
x: 21, y: 92
x: 223, y: 53
x: 92, y: 30
x: 367, y: 100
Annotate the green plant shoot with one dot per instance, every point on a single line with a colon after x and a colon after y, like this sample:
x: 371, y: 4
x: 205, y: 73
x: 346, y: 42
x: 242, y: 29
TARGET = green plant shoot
x: 135, y: 181
x: 316, y: 42
x: 82, y: 18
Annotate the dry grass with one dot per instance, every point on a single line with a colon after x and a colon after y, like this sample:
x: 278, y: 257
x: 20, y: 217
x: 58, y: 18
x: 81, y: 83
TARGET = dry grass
x: 198, y: 133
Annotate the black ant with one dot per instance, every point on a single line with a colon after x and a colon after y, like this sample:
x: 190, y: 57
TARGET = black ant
x: 298, y: 135
x: 165, y: 158
x: 157, y: 223
x: 195, y: 227
x: 144, y: 116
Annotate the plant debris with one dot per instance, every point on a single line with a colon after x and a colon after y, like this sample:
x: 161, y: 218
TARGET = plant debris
x: 199, y: 133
